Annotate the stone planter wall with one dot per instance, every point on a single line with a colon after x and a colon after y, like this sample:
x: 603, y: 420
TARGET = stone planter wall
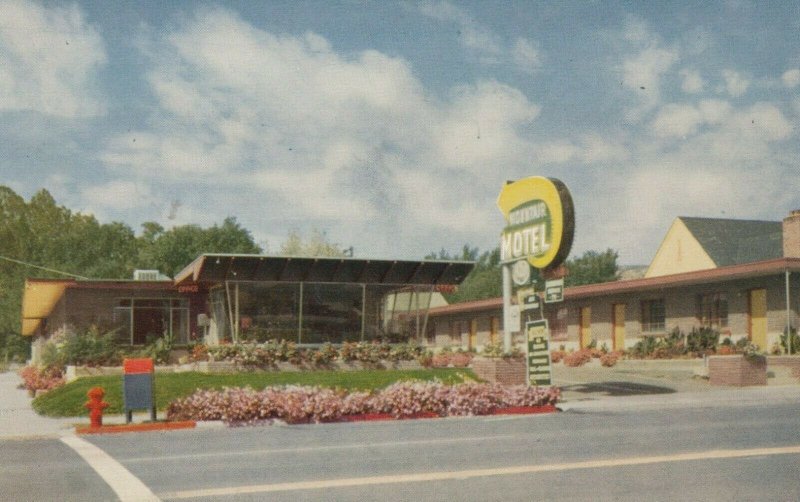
x: 737, y: 370
x: 502, y: 371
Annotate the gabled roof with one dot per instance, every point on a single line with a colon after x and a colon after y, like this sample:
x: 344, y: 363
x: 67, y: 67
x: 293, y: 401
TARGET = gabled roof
x: 735, y: 242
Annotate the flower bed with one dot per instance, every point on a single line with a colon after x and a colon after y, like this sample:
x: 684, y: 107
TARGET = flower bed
x: 296, y: 404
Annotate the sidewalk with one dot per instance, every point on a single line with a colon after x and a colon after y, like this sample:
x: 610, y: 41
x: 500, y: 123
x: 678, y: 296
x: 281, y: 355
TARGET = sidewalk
x: 17, y: 418
x: 661, y: 383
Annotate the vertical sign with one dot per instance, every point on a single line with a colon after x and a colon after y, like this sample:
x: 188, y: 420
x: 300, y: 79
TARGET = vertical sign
x: 538, y: 344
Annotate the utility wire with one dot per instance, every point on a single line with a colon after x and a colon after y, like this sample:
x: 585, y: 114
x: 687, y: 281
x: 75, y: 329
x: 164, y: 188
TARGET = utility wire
x: 42, y: 268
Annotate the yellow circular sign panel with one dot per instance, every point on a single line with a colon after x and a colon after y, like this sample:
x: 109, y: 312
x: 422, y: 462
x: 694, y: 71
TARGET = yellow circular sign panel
x: 540, y: 221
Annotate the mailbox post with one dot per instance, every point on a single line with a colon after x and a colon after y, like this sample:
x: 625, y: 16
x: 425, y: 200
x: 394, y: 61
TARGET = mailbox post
x: 138, y: 387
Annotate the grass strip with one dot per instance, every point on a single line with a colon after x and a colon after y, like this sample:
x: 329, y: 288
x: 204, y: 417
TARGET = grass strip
x: 68, y: 400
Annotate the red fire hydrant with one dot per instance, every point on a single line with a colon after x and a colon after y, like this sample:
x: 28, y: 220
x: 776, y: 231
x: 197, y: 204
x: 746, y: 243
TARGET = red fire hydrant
x: 96, y: 405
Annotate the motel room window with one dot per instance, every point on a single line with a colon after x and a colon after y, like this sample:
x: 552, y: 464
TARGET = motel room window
x: 712, y: 310
x: 557, y: 322
x: 653, y: 316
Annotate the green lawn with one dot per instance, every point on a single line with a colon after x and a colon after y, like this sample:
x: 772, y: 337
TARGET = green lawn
x: 68, y: 401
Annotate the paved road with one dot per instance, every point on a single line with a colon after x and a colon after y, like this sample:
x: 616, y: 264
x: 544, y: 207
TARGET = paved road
x: 745, y: 446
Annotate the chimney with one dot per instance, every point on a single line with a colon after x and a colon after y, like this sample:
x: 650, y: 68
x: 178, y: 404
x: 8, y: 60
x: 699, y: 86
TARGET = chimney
x: 791, y: 235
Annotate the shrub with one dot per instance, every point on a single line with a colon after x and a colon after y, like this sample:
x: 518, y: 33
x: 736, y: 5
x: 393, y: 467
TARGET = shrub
x: 34, y: 378
x: 461, y: 359
x: 441, y: 360
x: 795, y: 341
x: 700, y: 340
x: 495, y: 351
x: 199, y: 352
x: 578, y: 358
x: 556, y: 356
x: 91, y: 348
x: 610, y: 359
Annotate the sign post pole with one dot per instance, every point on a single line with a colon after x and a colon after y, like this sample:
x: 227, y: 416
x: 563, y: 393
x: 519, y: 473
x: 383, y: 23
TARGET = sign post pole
x: 506, y: 308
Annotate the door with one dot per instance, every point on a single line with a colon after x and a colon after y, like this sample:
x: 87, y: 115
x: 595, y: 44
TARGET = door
x: 586, y: 326
x: 758, y: 318
x: 619, y: 326
x: 494, y: 327
x: 473, y: 334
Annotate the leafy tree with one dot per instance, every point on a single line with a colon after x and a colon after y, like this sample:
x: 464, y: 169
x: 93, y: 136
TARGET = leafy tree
x: 40, y: 237
x: 316, y: 245
x: 592, y: 267
x: 485, y: 280
x: 169, y: 251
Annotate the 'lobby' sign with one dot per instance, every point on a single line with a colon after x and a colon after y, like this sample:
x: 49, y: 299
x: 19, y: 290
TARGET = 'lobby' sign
x: 540, y: 221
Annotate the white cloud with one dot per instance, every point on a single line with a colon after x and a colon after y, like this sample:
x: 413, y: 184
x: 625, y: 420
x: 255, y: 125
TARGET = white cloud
x: 588, y: 149
x: 643, y: 69
x: 487, y: 46
x: 118, y: 195
x: 677, y: 120
x: 48, y: 60
x: 735, y: 84
x: 471, y: 34
x: 317, y: 136
x: 526, y: 56
x: 791, y: 78
x: 692, y: 81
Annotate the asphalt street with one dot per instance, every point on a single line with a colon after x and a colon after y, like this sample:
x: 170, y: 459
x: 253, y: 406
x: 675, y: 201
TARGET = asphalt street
x: 746, y: 450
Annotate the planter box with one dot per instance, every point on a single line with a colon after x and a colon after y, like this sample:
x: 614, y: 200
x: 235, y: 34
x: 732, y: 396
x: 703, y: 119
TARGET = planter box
x: 737, y: 370
x: 502, y: 371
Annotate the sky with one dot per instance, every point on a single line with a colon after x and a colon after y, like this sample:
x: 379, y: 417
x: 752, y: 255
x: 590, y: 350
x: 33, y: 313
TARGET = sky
x: 392, y: 126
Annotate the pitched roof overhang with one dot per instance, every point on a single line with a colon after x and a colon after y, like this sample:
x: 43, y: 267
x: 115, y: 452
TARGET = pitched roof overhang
x: 217, y: 268
x: 38, y: 300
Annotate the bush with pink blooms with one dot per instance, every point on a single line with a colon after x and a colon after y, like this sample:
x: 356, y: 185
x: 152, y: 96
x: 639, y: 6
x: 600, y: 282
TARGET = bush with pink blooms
x: 35, y: 378
x: 578, y: 358
x: 298, y: 404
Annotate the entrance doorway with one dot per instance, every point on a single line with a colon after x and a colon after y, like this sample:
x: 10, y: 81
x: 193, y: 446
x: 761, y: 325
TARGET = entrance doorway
x: 758, y: 318
x: 586, y: 326
x: 619, y: 326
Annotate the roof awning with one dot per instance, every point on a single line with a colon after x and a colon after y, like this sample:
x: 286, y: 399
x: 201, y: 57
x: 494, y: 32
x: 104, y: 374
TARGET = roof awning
x: 38, y: 301
x: 211, y: 268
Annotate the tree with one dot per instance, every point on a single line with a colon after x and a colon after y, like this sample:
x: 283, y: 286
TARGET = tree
x: 592, y: 267
x: 169, y: 251
x: 484, y: 281
x: 316, y: 245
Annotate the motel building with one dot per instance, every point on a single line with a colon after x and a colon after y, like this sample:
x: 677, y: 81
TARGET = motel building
x: 740, y: 277
x: 231, y: 298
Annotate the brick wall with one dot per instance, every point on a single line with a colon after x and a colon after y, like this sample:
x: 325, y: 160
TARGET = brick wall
x: 737, y: 371
x: 502, y: 371
x: 792, y: 362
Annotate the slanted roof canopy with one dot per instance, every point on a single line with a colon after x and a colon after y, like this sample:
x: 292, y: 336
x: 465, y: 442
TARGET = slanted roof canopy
x: 38, y: 300
x: 211, y: 268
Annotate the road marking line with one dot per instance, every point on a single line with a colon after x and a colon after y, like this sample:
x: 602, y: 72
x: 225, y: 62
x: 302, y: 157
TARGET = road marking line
x: 127, y: 486
x: 474, y: 473
x: 357, y: 446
